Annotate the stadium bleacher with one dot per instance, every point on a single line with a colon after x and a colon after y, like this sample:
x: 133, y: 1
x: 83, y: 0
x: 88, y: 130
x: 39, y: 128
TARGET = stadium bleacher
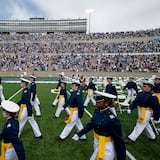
x: 69, y: 51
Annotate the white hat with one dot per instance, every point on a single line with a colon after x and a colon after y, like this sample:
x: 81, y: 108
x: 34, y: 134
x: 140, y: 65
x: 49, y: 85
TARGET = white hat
x: 10, y: 106
x: 32, y: 76
x: 25, y: 80
x: 108, y: 95
x: 62, y: 73
x: 148, y: 83
x: 76, y: 82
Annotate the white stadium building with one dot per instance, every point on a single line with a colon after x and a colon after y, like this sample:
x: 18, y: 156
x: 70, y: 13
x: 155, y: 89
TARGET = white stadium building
x: 41, y: 25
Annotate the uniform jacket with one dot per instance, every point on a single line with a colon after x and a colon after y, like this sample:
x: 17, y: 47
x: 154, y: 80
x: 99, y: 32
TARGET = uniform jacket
x: 25, y: 99
x: 147, y: 99
x: 110, y: 88
x: 63, y: 92
x: 76, y: 100
x: 156, y: 88
x: 33, y: 88
x: 91, y: 85
x: 131, y: 85
x: 105, y: 123
x: 10, y: 135
x: 59, y: 83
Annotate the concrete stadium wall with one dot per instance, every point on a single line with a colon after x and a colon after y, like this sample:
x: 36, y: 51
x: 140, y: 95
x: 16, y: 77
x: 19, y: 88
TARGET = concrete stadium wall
x: 53, y: 74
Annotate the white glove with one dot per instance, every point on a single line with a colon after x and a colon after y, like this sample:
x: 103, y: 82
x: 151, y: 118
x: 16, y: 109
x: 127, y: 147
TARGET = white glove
x: 75, y: 137
x: 155, y: 122
x: 129, y: 111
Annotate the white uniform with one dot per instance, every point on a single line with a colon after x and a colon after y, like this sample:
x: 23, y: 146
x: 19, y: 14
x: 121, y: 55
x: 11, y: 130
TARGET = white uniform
x: 90, y: 97
x: 109, y: 150
x: 60, y: 107
x: 10, y: 154
x: 25, y: 114
x: 130, y: 96
x: 75, y: 121
x: 24, y: 118
x: 143, y: 125
x: 1, y: 93
x: 55, y: 101
x: 57, y: 97
x: 35, y: 104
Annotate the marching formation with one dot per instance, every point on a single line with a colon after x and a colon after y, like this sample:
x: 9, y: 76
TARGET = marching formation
x: 107, y: 131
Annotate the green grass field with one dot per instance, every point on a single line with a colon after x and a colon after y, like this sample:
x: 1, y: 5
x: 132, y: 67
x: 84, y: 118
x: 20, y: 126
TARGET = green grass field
x: 49, y: 149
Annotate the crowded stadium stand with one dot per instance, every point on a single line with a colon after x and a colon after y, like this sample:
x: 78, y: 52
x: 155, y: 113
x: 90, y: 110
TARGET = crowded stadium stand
x: 131, y: 51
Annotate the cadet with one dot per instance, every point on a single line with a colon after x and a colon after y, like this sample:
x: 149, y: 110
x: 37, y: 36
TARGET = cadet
x: 34, y: 99
x: 1, y: 90
x: 82, y: 81
x: 110, y: 88
x: 58, y: 88
x: 108, y: 141
x: 156, y: 88
x: 90, y: 96
x: 12, y: 148
x: 132, y: 89
x: 76, y: 112
x: 25, y: 113
x: 62, y: 100
x: 148, y: 106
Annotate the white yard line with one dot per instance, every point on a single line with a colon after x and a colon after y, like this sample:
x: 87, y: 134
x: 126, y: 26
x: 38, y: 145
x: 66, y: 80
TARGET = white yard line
x: 15, y: 94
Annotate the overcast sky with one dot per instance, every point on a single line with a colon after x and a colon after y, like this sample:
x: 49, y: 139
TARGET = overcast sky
x: 109, y: 15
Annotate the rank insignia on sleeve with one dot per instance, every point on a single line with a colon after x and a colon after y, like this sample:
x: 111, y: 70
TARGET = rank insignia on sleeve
x: 25, y: 91
x: 9, y: 125
x: 111, y: 116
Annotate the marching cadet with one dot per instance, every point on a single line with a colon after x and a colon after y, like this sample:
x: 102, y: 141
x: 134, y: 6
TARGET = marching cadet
x: 156, y: 88
x: 76, y: 112
x: 34, y: 99
x: 82, y: 81
x: 58, y: 88
x: 1, y: 90
x: 108, y: 142
x: 132, y: 89
x: 90, y: 96
x: 62, y: 100
x: 12, y: 148
x: 148, y: 106
x: 110, y: 88
x: 25, y: 113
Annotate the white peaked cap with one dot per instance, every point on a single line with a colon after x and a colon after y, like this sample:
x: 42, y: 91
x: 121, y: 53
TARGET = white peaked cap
x: 62, y: 73
x: 10, y: 106
x: 32, y: 76
x: 108, y: 95
x: 76, y: 82
x: 25, y: 80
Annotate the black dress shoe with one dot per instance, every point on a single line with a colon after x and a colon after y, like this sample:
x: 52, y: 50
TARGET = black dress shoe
x: 40, y: 137
x: 55, y: 117
x: 152, y: 139
x: 59, y: 139
x: 38, y: 116
x: 129, y: 141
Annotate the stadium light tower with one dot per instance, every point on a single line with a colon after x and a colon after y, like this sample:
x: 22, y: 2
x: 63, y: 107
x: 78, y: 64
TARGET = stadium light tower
x: 89, y: 12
